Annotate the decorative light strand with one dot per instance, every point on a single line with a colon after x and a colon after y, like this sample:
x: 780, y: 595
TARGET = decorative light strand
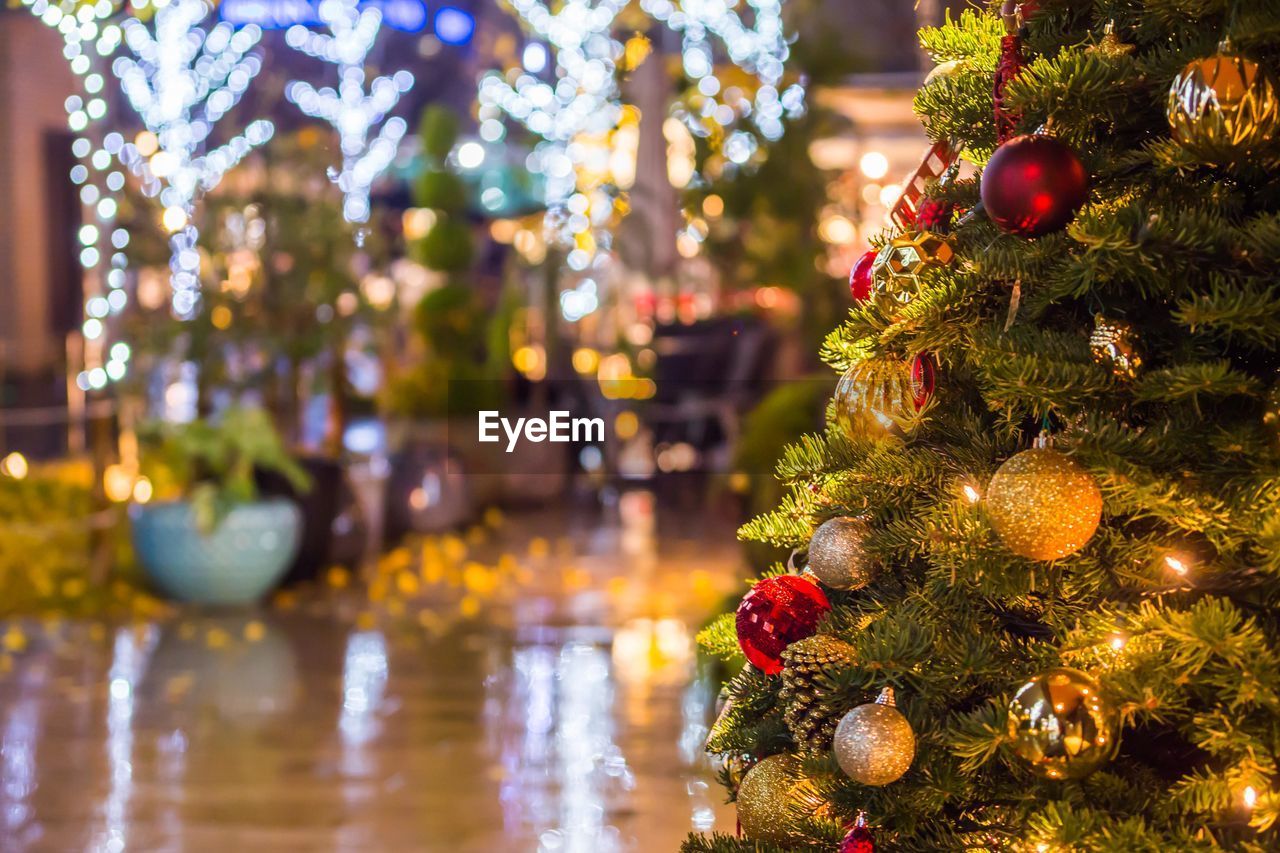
x: 582, y: 102
x: 88, y: 38
x: 761, y: 50
x: 580, y: 105
x: 183, y: 81
x: 351, y: 110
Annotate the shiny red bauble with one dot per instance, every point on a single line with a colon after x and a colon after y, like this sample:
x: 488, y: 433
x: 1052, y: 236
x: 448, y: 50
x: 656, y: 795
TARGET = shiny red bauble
x: 859, y: 838
x: 923, y: 379
x: 1033, y: 185
x: 777, y: 612
x: 860, y: 283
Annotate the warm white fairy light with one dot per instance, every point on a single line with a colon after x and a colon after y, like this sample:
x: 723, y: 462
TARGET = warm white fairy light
x: 353, y: 112
x: 761, y: 50
x: 579, y: 102
x: 88, y: 38
x: 183, y: 81
x: 576, y: 106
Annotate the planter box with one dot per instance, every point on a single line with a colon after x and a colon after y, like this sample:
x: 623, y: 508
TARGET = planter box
x: 328, y: 498
x: 238, y: 563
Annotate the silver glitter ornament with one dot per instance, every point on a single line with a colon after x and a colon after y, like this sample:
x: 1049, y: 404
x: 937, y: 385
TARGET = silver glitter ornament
x: 874, y: 743
x: 837, y: 554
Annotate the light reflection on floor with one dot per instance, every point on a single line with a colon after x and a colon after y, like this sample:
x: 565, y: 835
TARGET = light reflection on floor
x: 577, y: 726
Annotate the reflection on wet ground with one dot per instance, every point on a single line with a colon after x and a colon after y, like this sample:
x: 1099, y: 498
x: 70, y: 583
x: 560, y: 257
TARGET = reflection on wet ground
x: 573, y: 720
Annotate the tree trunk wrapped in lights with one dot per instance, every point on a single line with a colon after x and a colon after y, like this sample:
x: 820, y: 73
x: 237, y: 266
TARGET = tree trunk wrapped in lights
x: 352, y: 111
x: 182, y: 80
x: 1070, y: 682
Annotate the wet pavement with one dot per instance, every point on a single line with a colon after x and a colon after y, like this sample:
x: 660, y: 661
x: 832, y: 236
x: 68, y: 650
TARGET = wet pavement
x: 564, y: 710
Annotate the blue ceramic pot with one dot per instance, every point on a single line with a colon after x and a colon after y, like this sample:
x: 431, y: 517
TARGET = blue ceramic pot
x: 238, y: 563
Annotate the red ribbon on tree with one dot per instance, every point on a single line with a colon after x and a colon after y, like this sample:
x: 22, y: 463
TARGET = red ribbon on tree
x: 1010, y: 66
x: 1011, y: 63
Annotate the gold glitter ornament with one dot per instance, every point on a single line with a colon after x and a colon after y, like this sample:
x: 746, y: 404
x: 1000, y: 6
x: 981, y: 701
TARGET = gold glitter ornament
x: 1224, y: 108
x: 874, y: 743
x: 1110, y: 46
x: 837, y: 553
x: 1115, y: 344
x: 773, y: 796
x: 1060, y: 723
x: 1042, y: 504
x: 896, y: 272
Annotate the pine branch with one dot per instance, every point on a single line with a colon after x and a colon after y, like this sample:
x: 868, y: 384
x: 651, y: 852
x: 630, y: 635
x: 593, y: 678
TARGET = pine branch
x: 720, y: 638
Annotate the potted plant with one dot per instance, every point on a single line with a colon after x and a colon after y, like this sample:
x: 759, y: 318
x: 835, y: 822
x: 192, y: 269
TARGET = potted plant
x: 281, y: 318
x: 210, y: 538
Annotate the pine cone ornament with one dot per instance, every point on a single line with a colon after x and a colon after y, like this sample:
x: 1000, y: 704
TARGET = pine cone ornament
x: 808, y: 666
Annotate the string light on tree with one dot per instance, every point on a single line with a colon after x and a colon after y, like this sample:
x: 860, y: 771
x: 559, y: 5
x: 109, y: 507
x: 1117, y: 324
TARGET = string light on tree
x: 350, y: 109
x: 182, y: 82
x: 760, y: 50
x: 571, y: 114
x: 88, y: 39
x: 582, y: 121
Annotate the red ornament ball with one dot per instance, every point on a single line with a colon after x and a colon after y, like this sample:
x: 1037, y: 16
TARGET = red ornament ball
x: 860, y: 283
x: 777, y: 612
x: 859, y: 838
x: 1033, y: 185
x: 923, y: 379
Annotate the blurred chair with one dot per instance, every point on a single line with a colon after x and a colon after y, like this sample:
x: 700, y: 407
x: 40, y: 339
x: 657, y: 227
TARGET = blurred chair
x: 708, y: 375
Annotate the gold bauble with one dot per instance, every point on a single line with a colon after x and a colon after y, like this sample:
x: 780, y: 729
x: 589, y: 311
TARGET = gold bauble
x: 1043, y: 505
x: 875, y: 398
x: 1224, y: 108
x: 874, y: 743
x: 896, y: 272
x: 1061, y: 724
x: 1115, y: 344
x: 773, y: 796
x: 838, y: 555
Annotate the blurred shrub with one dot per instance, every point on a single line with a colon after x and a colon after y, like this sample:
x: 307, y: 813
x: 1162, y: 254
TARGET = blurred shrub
x: 46, y: 534
x: 787, y: 412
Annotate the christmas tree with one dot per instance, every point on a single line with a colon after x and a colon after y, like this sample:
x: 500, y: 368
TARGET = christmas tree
x: 1032, y: 603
